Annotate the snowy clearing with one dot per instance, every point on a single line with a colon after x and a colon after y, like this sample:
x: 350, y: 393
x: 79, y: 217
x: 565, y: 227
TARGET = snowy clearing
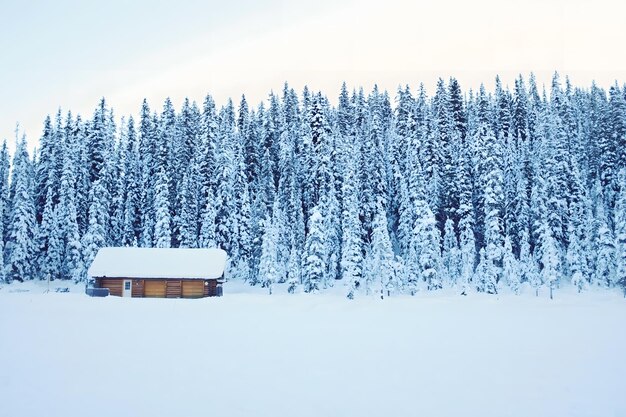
x: 250, y: 354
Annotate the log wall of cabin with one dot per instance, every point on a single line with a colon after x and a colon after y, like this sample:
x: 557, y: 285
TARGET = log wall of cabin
x: 138, y: 288
x: 164, y: 288
x: 211, y: 289
x: 114, y: 285
x: 174, y: 289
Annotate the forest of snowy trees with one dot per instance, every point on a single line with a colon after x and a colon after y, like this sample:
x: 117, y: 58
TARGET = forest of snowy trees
x: 469, y: 190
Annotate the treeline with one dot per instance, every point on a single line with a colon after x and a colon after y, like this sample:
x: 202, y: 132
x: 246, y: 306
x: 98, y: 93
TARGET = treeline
x: 476, y: 191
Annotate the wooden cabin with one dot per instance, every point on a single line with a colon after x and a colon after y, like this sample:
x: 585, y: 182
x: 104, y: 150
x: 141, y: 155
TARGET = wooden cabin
x: 159, y: 273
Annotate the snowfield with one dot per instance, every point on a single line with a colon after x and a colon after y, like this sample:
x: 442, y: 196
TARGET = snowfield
x: 250, y: 354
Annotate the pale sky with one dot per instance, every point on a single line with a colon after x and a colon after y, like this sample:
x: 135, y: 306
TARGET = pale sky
x: 68, y: 53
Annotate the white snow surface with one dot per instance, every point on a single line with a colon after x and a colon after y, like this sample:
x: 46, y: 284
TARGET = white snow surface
x: 252, y: 354
x: 158, y: 263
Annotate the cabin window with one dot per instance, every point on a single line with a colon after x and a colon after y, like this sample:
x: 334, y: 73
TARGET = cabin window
x: 127, y: 285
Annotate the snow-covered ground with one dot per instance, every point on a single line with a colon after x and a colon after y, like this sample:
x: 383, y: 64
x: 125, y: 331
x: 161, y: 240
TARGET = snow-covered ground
x: 250, y: 354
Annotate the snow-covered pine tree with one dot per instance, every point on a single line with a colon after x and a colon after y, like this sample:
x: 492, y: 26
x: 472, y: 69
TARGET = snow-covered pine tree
x: 510, y: 267
x: 502, y: 109
x: 451, y: 256
x: 575, y: 260
x: 314, y: 267
x: 424, y: 250
x: 373, y: 172
x: 207, y: 229
x: 162, y: 222
x: 617, y: 109
x: 332, y: 230
x: 532, y: 274
x: 78, y: 132
x: 521, y: 123
x: 575, y: 257
x: 294, y: 269
x: 351, y: 244
x: 286, y: 208
x: 48, y: 167
x: 446, y: 139
x: 244, y: 265
x: 620, y: 232
x: 167, y: 140
x: 605, y: 250
x: 406, y: 128
x: 95, y: 238
x: 382, y: 260
x: 493, y: 200
x: 478, y: 151
x: 19, y: 249
x: 5, y: 168
x: 467, y: 241
x: 486, y: 275
x: 514, y: 215
x: 3, y: 275
x: 226, y: 220
x: 72, y: 264
x: 430, y: 159
x: 115, y: 180
x: 132, y: 185
x: 100, y: 140
x: 190, y: 209
x: 550, y: 258
x: 269, y: 268
x: 148, y: 162
x: 49, y: 244
x: 467, y: 254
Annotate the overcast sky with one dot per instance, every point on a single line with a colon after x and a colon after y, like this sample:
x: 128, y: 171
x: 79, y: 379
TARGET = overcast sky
x: 68, y: 54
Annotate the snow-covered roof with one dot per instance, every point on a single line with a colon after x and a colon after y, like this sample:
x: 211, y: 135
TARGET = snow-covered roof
x: 158, y: 263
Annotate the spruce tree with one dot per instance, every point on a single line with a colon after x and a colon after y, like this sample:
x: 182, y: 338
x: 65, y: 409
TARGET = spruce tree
x: 467, y: 253
x: 5, y: 168
x: 162, y: 223
x: 131, y: 228
x: 190, y: 209
x: 148, y: 160
x: 382, y: 260
x: 269, y: 269
x: 73, y: 267
x: 19, y: 249
x: 99, y: 140
x: 575, y: 262
x: 351, y: 244
x: 510, y: 267
x: 605, y: 251
x: 486, y: 274
x: 95, y: 237
x: 424, y: 249
x: 493, y: 200
x: 49, y: 244
x: 314, y: 269
x: 620, y: 232
x: 451, y: 255
x: 3, y: 274
x: 550, y: 259
x: 207, y: 229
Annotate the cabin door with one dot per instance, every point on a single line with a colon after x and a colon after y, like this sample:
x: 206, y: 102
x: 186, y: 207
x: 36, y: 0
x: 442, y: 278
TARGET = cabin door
x: 127, y: 290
